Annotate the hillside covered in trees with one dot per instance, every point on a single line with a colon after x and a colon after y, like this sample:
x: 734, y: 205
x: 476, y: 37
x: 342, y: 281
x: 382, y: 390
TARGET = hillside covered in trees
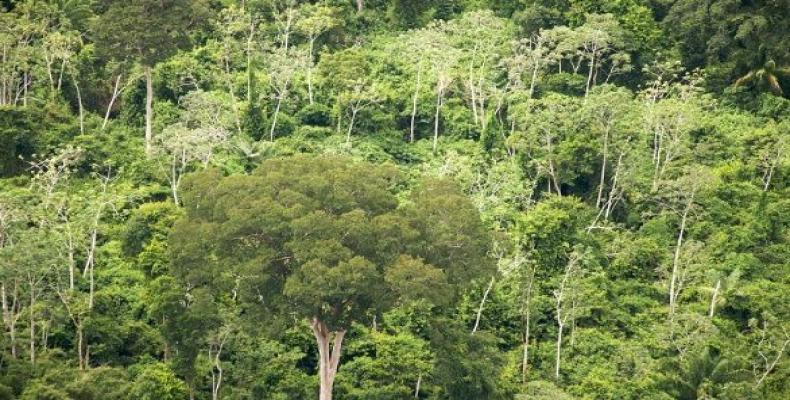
x: 394, y: 199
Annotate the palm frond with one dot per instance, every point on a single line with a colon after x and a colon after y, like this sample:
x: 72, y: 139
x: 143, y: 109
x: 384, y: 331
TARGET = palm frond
x: 773, y: 83
x: 745, y: 79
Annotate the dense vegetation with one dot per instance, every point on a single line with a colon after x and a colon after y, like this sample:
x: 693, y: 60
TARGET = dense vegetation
x: 461, y: 199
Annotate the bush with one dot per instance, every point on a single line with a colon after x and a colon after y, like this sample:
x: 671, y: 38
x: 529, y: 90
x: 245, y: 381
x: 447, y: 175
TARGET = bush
x: 29, y: 131
x: 43, y: 391
x: 314, y: 132
x: 286, y: 125
x: 158, y: 382
x: 315, y: 115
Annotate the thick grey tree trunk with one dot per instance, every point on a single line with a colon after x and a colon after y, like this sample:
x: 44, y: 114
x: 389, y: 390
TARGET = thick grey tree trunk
x: 328, y: 358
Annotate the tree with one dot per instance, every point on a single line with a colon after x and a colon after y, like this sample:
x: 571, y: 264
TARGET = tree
x: 157, y: 381
x: 673, y: 110
x: 725, y: 286
x: 771, y: 347
x: 598, y: 41
x: 483, y: 41
x: 147, y: 31
x: 729, y: 38
x: 442, y: 69
x: 562, y: 310
x: 530, y: 57
x: 203, y: 129
x: 549, y: 135
x: 353, y: 73
x: 17, y: 39
x: 700, y: 377
x: 768, y: 76
x: 315, y: 21
x: 323, y: 238
x: 284, y: 64
x: 419, y: 48
x: 611, y: 116
x: 600, y: 36
x: 685, y: 201
x: 363, y: 94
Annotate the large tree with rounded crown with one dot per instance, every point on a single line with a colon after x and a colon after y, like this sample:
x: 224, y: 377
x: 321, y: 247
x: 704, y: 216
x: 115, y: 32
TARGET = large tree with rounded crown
x: 327, y: 239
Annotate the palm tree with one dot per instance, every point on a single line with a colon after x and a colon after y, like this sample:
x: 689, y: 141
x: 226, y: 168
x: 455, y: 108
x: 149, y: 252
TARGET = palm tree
x: 700, y: 376
x: 767, y: 75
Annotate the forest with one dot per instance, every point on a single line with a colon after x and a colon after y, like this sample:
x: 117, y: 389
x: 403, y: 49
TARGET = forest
x: 394, y: 199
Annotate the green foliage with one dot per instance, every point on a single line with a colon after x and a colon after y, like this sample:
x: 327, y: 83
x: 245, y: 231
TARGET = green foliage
x: 42, y: 391
x: 27, y: 132
x: 157, y: 381
x: 146, y: 31
x: 336, y: 277
x: 385, y: 366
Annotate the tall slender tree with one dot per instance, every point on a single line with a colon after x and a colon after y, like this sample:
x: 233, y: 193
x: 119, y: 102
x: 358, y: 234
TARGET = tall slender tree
x: 147, y: 31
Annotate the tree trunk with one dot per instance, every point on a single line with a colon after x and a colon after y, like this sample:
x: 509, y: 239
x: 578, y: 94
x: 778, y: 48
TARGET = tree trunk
x: 79, y: 103
x: 603, y: 168
x: 12, y: 334
x: 310, y: 70
x: 482, y: 303
x: 770, y: 367
x: 525, y: 358
x: 714, y: 298
x: 11, y: 315
x: 7, y: 317
x: 216, y: 371
x: 174, y: 179
x: 768, y: 175
x: 414, y: 102
x: 676, y: 257
x: 590, y: 74
x: 115, y: 93
x: 613, y: 190
x: 562, y: 316
x: 560, y: 327
x: 552, y: 173
x: 533, y: 80
x: 70, y: 255
x: 436, y: 118
x: 328, y: 358
x: 472, y: 94
x: 80, y: 352
x: 351, y: 125
x: 274, y: 118
x: 658, y: 139
x: 4, y: 302
x: 234, y: 102
x: 250, y: 38
x: 90, y: 260
x: 48, y: 62
x: 417, y: 387
x: 32, y: 322
x: 25, y: 85
x: 149, y: 110
x: 4, y: 90
x: 360, y: 5
x: 60, y: 74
